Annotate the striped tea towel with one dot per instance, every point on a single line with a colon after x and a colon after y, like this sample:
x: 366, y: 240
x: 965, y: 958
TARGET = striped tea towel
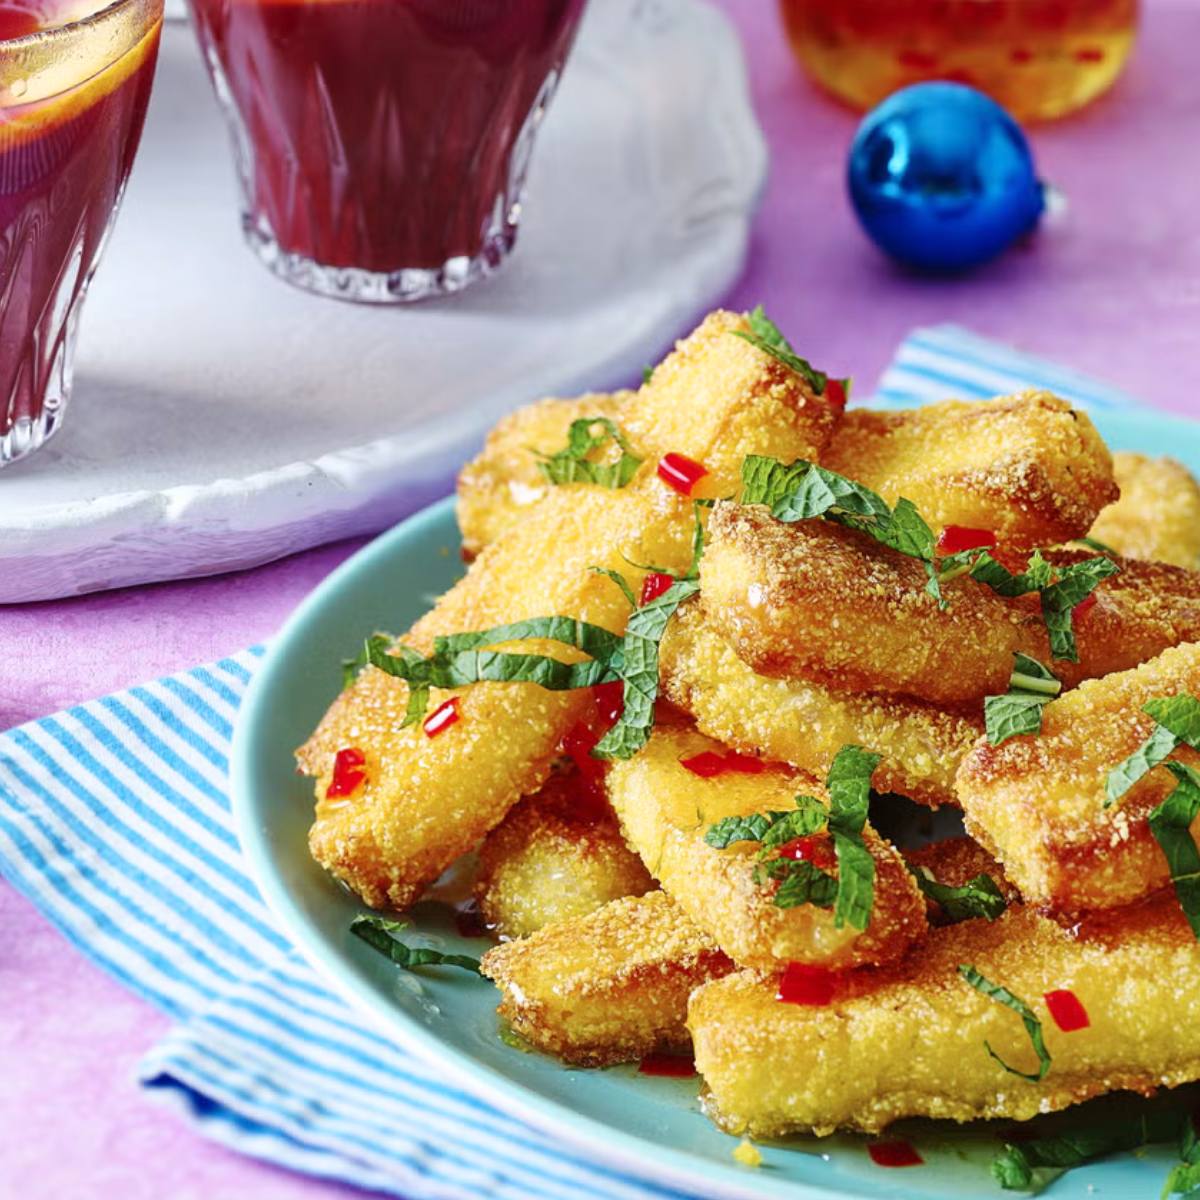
x: 115, y: 821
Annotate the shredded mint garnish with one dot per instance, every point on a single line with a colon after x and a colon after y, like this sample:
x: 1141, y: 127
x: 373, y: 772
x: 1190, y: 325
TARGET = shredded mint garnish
x: 852, y: 893
x: 1013, y: 1167
x: 379, y: 934
x: 766, y: 336
x: 1177, y: 721
x: 978, y: 897
x: 1019, y: 711
x: 1032, y: 1025
x: 572, y: 464
x: 1093, y: 544
x: 1170, y: 823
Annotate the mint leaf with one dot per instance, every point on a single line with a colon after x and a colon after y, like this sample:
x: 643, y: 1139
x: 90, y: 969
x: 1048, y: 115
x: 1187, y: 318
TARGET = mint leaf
x: 378, y: 933
x: 849, y: 785
x: 1003, y: 582
x: 752, y: 828
x: 352, y: 667
x: 647, y: 374
x: 1075, y: 583
x: 572, y: 465
x: 1170, y: 823
x: 1019, y: 711
x: 1093, y: 544
x: 639, y: 670
x: 765, y: 334
x: 978, y: 897
x: 579, y: 635
x: 1032, y: 1025
x: 1013, y: 1167
x: 809, y: 816
x: 1177, y: 720
x: 802, y: 883
x: 768, y: 481
x: 619, y: 580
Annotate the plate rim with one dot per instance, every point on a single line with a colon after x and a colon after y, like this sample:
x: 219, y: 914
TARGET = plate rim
x: 602, y: 1144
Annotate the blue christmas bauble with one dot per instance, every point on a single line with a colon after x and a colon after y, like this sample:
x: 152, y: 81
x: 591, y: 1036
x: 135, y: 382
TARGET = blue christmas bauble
x: 942, y: 177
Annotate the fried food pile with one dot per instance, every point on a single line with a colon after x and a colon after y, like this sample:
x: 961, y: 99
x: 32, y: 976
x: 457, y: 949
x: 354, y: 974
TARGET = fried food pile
x: 712, y: 632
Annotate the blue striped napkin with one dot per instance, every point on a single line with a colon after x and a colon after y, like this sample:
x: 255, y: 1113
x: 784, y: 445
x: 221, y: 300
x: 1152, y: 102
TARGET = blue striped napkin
x: 114, y: 820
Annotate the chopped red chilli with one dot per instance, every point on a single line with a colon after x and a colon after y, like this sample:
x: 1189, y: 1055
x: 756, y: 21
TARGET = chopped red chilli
x: 653, y: 586
x: 894, y: 1154
x: 954, y: 539
x: 442, y: 718
x: 802, y: 984
x: 814, y: 848
x: 680, y: 472
x: 835, y: 393
x: 1084, y: 606
x: 677, y: 1066
x: 708, y: 764
x: 348, y: 773
x: 1068, y: 1013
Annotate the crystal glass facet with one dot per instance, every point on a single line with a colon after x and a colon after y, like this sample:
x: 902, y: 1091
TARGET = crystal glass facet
x: 382, y: 145
x: 74, y: 86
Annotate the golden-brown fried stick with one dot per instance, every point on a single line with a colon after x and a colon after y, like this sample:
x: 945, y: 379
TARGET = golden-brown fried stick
x: 1158, y: 515
x: 817, y: 601
x: 805, y: 724
x: 665, y: 811
x: 609, y: 987
x: 557, y: 855
x: 1037, y: 802
x: 501, y: 484
x: 426, y: 800
x: 907, y: 1040
x: 694, y: 404
x: 1028, y: 467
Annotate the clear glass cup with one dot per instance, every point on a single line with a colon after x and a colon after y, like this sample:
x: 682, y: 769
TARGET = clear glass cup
x: 1041, y: 59
x: 74, y: 83
x: 382, y: 145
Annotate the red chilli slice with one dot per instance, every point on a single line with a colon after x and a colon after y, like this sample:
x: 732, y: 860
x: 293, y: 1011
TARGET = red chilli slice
x: 894, y: 1154
x: 653, y: 586
x: 680, y: 472
x: 814, y: 848
x: 348, y: 773
x: 802, y: 984
x: 1067, y: 1010
x: 442, y: 718
x: 677, y: 1066
x: 708, y: 764
x: 956, y: 538
x: 835, y: 393
x: 1084, y: 607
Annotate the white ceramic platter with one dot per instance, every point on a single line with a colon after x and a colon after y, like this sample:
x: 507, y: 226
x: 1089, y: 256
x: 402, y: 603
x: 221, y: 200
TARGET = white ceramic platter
x: 222, y: 419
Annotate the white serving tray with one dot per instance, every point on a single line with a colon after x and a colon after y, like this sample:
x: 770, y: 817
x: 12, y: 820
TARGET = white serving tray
x: 222, y: 419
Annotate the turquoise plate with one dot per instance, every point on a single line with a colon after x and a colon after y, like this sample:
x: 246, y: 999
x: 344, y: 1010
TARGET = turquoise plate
x: 648, y: 1126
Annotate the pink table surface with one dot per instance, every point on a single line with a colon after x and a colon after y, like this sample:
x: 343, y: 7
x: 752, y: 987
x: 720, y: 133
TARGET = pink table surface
x: 1114, y: 290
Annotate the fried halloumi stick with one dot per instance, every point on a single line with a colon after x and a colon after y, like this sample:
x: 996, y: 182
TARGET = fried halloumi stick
x: 684, y: 408
x: 665, y: 811
x: 1028, y: 467
x: 1038, y: 801
x: 609, y: 987
x: 1158, y: 515
x: 907, y: 1040
x: 558, y: 854
x: 805, y: 724
x: 427, y: 800
x: 817, y: 601
x: 501, y: 484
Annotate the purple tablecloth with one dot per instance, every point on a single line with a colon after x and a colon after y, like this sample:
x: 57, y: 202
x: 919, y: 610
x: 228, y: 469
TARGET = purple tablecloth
x: 1114, y: 289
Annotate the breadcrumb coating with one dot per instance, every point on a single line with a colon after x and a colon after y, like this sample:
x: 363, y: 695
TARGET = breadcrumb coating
x: 817, y: 601
x: 907, y: 1040
x: 1028, y: 467
x: 557, y: 855
x: 427, y: 800
x: 665, y: 811
x: 499, y: 486
x: 1158, y: 515
x: 805, y: 724
x: 609, y: 987
x: 1037, y: 802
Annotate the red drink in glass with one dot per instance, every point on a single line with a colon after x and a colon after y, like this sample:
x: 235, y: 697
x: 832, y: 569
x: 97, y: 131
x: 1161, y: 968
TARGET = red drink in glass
x: 382, y: 144
x: 73, y: 94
